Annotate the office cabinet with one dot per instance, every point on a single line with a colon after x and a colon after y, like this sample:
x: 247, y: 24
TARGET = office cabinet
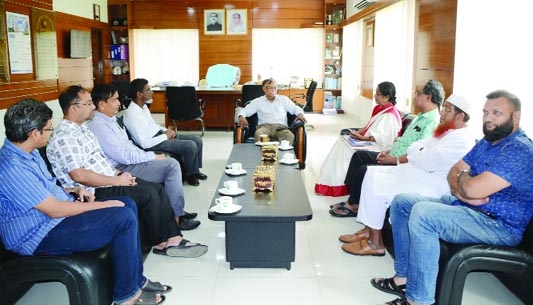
x: 335, y: 11
x: 117, y: 59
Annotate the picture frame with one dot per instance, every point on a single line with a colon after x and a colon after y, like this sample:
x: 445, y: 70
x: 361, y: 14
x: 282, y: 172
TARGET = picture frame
x: 214, y: 22
x: 237, y: 22
x: 96, y: 12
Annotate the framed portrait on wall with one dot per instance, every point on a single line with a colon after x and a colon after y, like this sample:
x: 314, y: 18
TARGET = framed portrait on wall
x: 237, y: 22
x: 214, y: 22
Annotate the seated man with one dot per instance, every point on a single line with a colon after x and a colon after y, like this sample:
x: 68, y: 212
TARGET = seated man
x: 153, y: 137
x: 77, y: 159
x: 428, y: 163
x: 271, y: 112
x: 493, y: 189
x: 127, y: 157
x: 427, y: 101
x: 37, y: 217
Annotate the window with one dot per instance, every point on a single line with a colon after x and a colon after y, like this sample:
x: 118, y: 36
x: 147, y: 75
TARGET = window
x: 166, y: 55
x: 283, y: 53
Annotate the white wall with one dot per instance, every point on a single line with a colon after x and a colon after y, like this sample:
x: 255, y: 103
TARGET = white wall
x: 81, y: 8
x: 494, y: 49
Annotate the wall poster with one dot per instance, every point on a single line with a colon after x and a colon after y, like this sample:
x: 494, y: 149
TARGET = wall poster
x: 19, y: 43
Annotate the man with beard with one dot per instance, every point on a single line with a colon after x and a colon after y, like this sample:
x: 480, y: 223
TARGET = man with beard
x: 428, y: 162
x: 428, y: 101
x: 492, y: 189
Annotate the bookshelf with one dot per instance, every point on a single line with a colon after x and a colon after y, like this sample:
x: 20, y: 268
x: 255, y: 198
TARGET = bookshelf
x: 335, y: 12
x: 117, y: 59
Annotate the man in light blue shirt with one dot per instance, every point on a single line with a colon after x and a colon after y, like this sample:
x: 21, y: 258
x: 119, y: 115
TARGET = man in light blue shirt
x: 127, y: 157
x: 271, y: 112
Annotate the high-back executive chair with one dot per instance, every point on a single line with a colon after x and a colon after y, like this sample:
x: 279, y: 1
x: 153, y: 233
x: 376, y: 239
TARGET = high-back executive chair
x: 307, y: 97
x: 246, y: 135
x: 183, y: 105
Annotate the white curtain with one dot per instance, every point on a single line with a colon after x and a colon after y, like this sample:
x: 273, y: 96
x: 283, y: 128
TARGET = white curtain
x: 284, y: 53
x: 166, y: 55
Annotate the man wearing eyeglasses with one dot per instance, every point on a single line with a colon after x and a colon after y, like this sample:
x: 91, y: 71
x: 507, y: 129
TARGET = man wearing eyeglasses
x: 428, y: 163
x: 427, y: 101
x: 271, y: 110
x: 78, y: 160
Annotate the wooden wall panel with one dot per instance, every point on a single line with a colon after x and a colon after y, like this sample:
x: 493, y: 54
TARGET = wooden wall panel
x: 45, y: 90
x: 165, y: 14
x: 75, y: 72
x: 436, y: 43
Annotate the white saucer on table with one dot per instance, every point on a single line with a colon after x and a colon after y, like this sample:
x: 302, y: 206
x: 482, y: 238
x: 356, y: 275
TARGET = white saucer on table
x: 231, y: 172
x: 235, y: 192
x: 288, y: 161
x: 285, y: 147
x: 232, y: 208
x: 267, y: 143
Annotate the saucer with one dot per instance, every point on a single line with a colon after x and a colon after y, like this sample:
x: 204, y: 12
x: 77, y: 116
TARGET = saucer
x: 230, y: 209
x: 267, y: 143
x: 225, y: 191
x: 289, y: 162
x: 235, y: 173
x: 285, y: 147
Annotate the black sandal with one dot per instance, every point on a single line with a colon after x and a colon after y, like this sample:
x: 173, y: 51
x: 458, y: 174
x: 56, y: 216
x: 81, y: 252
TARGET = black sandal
x: 389, y: 286
x: 156, y: 287
x: 398, y: 301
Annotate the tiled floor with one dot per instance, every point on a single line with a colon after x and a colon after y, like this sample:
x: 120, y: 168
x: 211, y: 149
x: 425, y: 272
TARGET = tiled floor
x: 322, y: 273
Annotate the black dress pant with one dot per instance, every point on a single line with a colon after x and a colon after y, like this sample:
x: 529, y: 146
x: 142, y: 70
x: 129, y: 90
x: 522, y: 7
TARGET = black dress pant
x: 356, y: 172
x: 156, y: 216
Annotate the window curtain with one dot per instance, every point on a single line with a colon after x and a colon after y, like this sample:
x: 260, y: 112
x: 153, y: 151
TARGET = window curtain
x: 166, y: 55
x: 284, y: 53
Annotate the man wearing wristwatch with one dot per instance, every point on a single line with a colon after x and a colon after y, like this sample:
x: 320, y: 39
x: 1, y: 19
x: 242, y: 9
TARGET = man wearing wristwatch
x: 492, y: 189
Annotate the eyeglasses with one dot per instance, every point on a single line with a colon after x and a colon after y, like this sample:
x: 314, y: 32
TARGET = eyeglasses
x: 85, y: 104
x: 48, y: 129
x: 270, y: 87
x: 147, y: 89
x: 417, y: 93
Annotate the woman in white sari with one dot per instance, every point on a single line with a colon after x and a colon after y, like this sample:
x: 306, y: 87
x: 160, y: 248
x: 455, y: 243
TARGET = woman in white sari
x: 381, y: 131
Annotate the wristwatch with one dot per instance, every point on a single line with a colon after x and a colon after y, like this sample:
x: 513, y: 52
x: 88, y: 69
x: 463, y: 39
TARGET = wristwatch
x: 463, y: 171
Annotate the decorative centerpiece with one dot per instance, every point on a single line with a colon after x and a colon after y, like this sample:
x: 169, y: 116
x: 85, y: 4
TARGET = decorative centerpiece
x: 269, y: 153
x: 264, y: 178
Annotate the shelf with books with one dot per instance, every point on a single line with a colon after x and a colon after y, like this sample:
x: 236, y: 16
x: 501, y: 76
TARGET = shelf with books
x: 334, y: 15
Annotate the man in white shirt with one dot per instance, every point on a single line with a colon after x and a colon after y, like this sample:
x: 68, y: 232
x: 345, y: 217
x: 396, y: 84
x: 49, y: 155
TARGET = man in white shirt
x: 127, y: 157
x: 153, y: 137
x: 271, y: 112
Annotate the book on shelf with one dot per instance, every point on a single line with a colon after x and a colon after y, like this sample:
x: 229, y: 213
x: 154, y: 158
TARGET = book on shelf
x: 113, y: 37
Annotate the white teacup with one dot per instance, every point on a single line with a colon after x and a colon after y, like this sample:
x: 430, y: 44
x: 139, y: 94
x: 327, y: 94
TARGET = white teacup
x: 284, y: 143
x: 288, y: 157
x: 236, y: 167
x: 224, y: 202
x: 231, y: 185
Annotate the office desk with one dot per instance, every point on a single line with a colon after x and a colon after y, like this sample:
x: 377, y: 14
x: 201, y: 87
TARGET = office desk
x: 219, y: 108
x: 220, y: 104
x: 262, y: 234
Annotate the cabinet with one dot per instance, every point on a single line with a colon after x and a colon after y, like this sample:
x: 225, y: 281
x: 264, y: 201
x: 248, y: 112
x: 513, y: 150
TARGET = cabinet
x: 335, y: 11
x: 117, y: 59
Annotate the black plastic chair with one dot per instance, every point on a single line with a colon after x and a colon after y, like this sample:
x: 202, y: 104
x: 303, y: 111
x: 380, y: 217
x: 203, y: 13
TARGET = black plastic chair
x: 183, y: 105
x: 123, y: 88
x: 513, y: 266
x: 307, y: 97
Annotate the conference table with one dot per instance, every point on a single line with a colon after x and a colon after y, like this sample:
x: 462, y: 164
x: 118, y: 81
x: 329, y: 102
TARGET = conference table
x: 262, y: 234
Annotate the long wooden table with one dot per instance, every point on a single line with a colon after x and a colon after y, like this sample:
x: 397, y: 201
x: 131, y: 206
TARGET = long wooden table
x: 262, y: 234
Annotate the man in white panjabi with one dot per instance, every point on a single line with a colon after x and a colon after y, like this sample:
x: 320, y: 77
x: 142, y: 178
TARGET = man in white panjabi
x: 429, y: 161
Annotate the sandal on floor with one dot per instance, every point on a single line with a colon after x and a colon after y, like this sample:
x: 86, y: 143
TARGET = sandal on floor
x: 388, y: 286
x: 347, y: 212
x: 353, y: 238
x: 336, y: 205
x: 362, y: 248
x: 157, y: 287
x: 148, y: 298
x: 398, y: 301
x: 182, y: 250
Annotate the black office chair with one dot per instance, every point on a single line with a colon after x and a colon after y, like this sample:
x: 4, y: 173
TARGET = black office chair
x: 123, y: 88
x: 183, y: 105
x: 249, y: 92
x: 307, y: 97
x: 513, y: 266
